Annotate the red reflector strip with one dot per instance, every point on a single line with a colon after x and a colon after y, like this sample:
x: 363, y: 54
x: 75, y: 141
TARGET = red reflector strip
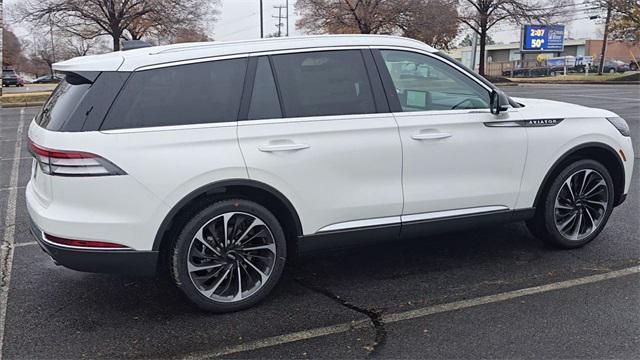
x: 83, y: 243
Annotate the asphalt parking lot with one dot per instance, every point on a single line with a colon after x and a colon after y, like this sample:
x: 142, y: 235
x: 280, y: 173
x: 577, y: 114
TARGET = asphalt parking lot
x: 494, y: 292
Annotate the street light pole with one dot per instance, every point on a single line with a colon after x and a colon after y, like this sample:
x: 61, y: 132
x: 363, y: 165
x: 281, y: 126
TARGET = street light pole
x: 261, y: 21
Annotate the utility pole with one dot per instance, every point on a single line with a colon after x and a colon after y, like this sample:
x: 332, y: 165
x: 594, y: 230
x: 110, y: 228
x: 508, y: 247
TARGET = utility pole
x: 474, y: 45
x: 53, y: 46
x: 279, y: 17
x: 261, y: 21
x: 604, y: 40
x: 287, y: 3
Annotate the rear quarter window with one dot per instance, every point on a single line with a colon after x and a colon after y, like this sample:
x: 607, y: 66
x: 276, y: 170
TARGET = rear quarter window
x: 61, y: 105
x: 207, y: 92
x: 80, y: 103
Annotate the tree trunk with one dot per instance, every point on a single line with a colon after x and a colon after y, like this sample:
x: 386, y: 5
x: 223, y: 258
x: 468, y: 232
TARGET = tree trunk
x: 483, y: 45
x: 115, y: 35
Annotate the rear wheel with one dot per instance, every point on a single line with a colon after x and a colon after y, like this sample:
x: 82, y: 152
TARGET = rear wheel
x: 229, y: 256
x: 576, y: 206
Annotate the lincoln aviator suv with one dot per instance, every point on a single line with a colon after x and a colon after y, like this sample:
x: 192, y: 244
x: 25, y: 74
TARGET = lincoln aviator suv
x: 218, y: 161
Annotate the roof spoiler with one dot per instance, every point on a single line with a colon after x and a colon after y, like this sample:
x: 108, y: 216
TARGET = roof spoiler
x: 134, y: 44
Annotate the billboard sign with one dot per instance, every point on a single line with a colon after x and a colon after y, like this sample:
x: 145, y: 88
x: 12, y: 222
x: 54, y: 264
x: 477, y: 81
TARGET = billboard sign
x: 542, y: 38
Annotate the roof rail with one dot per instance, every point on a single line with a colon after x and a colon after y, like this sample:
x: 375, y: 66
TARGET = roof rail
x: 134, y: 44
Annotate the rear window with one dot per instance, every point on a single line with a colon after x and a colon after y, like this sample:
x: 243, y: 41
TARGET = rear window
x: 61, y: 105
x: 324, y: 83
x: 207, y: 92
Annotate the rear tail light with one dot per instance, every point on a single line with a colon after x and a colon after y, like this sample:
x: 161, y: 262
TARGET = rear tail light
x: 72, y: 163
x: 83, y: 243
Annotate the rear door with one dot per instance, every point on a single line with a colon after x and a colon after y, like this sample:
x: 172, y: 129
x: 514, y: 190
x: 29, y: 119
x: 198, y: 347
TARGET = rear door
x: 324, y: 137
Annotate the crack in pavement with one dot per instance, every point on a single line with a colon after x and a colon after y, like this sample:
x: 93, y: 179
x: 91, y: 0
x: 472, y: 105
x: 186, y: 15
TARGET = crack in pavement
x: 374, y: 315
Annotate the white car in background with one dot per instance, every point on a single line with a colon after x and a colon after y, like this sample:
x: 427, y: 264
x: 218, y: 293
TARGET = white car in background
x: 217, y: 161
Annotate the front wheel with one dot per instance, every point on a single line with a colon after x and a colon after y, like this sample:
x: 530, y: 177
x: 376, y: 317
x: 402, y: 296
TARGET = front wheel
x: 229, y: 256
x: 576, y: 206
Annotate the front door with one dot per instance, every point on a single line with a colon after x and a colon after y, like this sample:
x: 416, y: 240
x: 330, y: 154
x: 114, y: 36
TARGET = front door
x: 454, y: 161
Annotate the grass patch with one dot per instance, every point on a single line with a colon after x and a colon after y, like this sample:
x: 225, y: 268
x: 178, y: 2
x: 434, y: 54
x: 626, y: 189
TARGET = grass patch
x: 591, y: 78
x: 26, y: 98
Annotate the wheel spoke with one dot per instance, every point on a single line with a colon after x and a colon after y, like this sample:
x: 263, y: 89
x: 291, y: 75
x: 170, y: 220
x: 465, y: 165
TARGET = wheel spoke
x: 193, y: 267
x: 256, y: 235
x: 564, y: 224
x: 210, y: 292
x: 254, y: 223
x: 584, y: 180
x: 590, y: 192
x: 200, y: 237
x: 225, y: 221
x: 562, y: 206
x: 263, y: 276
x: 270, y: 247
x: 578, y: 224
x: 567, y: 183
x: 599, y: 203
x: 590, y: 218
x: 239, y: 293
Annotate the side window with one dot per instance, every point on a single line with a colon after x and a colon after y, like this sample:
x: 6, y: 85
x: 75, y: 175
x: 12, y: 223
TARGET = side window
x: 264, y: 96
x: 185, y: 94
x: 424, y: 83
x: 324, y: 83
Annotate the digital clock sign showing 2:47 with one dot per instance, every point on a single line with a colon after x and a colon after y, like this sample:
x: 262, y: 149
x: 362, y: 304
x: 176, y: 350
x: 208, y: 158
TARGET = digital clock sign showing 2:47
x: 543, y: 38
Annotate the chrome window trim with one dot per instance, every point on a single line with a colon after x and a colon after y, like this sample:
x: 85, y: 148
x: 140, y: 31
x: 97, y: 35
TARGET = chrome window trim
x: 193, y: 61
x: 433, y: 215
x: 314, y: 118
x: 172, y: 127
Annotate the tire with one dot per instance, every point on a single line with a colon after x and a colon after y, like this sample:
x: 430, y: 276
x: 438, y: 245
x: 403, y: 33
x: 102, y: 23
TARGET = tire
x: 582, y: 210
x: 612, y: 71
x: 252, y: 260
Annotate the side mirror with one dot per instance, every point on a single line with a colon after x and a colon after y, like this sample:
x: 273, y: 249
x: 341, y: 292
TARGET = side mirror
x: 499, y: 102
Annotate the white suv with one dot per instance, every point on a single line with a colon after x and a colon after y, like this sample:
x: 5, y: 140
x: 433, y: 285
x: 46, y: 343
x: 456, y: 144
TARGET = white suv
x: 215, y: 161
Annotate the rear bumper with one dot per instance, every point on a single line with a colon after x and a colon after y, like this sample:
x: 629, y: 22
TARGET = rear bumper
x: 130, y: 262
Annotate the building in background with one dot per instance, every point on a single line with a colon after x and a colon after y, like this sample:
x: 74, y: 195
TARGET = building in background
x: 503, y: 57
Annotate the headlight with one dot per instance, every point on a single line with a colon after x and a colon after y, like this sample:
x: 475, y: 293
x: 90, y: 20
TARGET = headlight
x: 621, y: 125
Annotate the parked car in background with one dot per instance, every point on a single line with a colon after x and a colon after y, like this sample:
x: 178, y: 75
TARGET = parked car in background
x: 613, y: 66
x: 10, y: 78
x: 47, y: 79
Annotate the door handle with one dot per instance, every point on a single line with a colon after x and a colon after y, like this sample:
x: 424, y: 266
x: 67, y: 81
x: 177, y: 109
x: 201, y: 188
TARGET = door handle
x: 430, y: 135
x: 283, y: 147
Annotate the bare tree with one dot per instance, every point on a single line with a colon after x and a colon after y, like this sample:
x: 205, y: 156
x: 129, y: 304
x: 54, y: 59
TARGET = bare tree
x: 12, y: 49
x: 482, y: 15
x: 625, y: 18
x: 116, y: 18
x: 432, y: 21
